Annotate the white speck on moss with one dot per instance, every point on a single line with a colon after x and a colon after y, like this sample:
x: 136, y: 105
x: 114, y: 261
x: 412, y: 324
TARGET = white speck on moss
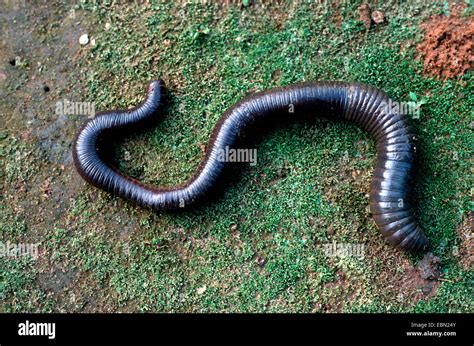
x: 84, y: 39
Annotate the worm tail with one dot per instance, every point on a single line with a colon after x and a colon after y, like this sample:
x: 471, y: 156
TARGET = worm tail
x: 390, y: 192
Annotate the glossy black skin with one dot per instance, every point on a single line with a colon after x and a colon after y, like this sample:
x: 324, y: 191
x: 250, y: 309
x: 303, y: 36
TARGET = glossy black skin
x: 364, y: 105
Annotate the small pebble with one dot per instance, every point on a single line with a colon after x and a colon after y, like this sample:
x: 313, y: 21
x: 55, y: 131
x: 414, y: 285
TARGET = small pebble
x: 427, y: 289
x: 107, y: 26
x: 377, y: 17
x: 260, y: 261
x: 430, y: 267
x: 84, y: 39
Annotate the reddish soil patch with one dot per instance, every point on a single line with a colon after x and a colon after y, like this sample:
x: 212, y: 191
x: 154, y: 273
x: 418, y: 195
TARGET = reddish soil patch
x: 419, y: 282
x: 447, y: 48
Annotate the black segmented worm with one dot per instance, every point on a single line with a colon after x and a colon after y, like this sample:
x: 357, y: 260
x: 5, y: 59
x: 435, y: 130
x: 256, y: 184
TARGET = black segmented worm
x: 364, y: 105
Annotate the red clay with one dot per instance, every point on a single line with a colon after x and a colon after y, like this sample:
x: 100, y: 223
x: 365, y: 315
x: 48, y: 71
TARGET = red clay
x: 447, y: 48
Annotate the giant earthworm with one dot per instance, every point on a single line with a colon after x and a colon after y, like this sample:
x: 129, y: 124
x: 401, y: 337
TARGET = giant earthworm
x: 364, y: 105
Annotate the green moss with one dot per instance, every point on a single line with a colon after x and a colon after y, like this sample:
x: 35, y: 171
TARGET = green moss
x: 308, y: 177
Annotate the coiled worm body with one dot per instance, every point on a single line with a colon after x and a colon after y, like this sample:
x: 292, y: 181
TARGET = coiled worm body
x: 363, y: 105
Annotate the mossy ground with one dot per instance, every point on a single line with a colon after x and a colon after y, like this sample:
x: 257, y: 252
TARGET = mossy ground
x: 99, y: 253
